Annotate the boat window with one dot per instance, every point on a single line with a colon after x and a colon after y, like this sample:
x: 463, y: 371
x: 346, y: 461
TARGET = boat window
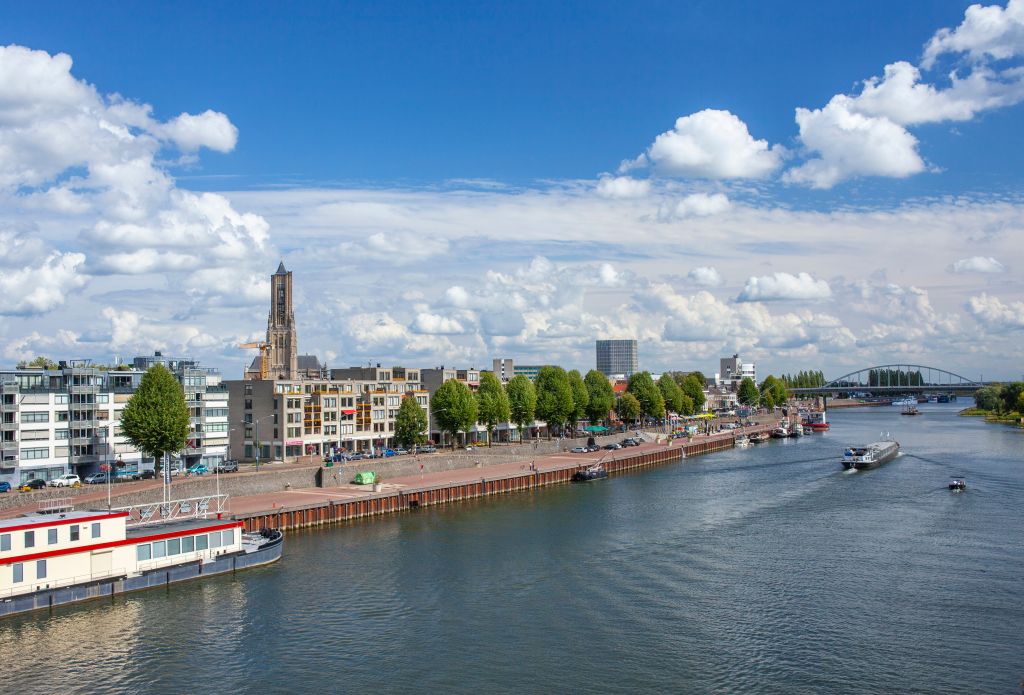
x: 201, y: 543
x: 51, y: 536
x: 74, y: 532
x: 159, y: 549
x: 40, y: 569
x: 174, y: 546
x: 19, y: 572
x: 143, y: 552
x: 188, y: 544
x: 5, y: 542
x: 30, y: 539
x: 96, y: 530
x: 214, y: 539
x: 228, y: 537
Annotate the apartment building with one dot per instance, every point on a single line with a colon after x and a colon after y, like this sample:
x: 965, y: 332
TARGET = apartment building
x: 289, y: 420
x: 615, y: 357
x: 66, y: 420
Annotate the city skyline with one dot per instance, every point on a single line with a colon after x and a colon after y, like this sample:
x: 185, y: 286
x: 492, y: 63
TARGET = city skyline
x: 860, y: 208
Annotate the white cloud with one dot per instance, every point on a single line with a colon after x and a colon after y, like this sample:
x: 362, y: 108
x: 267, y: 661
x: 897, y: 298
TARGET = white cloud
x: 986, y: 32
x: 435, y: 324
x: 978, y: 264
x: 207, y: 129
x: 391, y: 247
x: 850, y: 144
x: 37, y: 289
x: 705, y: 276
x: 130, y: 331
x: 701, y: 205
x: 623, y: 187
x: 782, y: 286
x: 994, y: 314
x: 710, y: 144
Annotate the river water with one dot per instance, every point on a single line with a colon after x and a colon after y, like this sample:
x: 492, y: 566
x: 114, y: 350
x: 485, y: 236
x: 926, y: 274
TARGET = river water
x: 765, y: 570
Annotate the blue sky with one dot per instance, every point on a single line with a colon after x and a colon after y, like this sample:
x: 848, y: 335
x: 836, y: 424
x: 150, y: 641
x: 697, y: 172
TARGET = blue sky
x: 449, y: 181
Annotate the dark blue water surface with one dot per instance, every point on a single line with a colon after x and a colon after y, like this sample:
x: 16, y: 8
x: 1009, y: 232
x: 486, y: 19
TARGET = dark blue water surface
x: 766, y: 570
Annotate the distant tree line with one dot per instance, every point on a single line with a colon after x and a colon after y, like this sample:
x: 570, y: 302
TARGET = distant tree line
x: 1001, y: 399
x: 803, y: 380
x: 895, y: 377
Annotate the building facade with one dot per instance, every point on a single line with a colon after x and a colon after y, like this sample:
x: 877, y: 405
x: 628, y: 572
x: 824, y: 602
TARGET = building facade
x: 504, y: 369
x: 66, y: 420
x: 732, y: 371
x: 616, y: 357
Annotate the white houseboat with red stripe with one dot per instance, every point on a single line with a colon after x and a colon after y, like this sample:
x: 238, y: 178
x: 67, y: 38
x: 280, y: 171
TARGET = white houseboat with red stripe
x: 51, y: 559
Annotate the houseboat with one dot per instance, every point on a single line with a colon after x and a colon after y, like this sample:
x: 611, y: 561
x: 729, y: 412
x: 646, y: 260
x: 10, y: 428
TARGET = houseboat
x: 816, y: 421
x: 53, y: 559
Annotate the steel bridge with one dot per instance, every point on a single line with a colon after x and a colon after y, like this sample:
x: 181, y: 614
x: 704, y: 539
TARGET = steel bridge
x: 889, y: 379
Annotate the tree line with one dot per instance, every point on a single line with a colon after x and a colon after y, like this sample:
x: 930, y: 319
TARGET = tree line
x: 1001, y: 399
x: 803, y: 380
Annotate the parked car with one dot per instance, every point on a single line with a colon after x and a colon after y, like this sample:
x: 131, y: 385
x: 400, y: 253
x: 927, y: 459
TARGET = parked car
x: 197, y: 469
x: 95, y: 479
x: 428, y: 449
x: 389, y: 452
x: 612, y: 447
x: 579, y: 450
x: 34, y: 484
x: 229, y: 466
x: 401, y: 452
x: 66, y: 480
x: 5, y: 486
x: 357, y: 456
x: 147, y: 474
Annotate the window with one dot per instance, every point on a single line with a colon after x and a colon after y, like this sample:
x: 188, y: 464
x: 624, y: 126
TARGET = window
x: 74, y: 532
x: 19, y: 572
x: 201, y: 543
x: 174, y: 546
x: 228, y: 537
x: 60, y: 399
x: 5, y: 542
x: 214, y: 539
x: 35, y: 454
x: 51, y: 536
x: 60, y: 434
x: 30, y: 539
x: 103, y: 398
x: 143, y: 552
x: 188, y: 544
x: 35, y: 417
x: 40, y: 569
x: 96, y: 530
x: 159, y: 550
x: 61, y: 416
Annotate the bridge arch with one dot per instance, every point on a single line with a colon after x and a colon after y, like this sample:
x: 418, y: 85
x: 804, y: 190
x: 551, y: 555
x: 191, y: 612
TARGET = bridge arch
x: 893, y: 376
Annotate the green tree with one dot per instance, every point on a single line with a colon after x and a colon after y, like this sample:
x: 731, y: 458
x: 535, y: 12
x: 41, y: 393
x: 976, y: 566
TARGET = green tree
x: 671, y: 393
x: 601, y: 396
x: 492, y: 403
x: 155, y: 419
x: 747, y: 393
x: 522, y: 400
x: 580, y: 397
x: 1009, y: 395
x: 454, y: 408
x: 987, y: 398
x: 776, y: 388
x: 628, y: 408
x: 410, y: 423
x: 688, y: 406
x: 39, y: 362
x: 693, y: 386
x: 641, y: 385
x: 554, y: 397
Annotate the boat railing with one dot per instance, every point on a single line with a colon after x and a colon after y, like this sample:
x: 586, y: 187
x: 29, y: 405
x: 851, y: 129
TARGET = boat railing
x: 56, y: 505
x: 189, y: 508
x: 45, y: 584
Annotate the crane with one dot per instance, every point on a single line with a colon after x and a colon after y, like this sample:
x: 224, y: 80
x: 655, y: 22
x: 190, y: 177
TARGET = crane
x: 265, y: 350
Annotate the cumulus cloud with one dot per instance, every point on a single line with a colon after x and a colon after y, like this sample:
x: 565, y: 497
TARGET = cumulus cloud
x: 207, y: 129
x: 397, y: 247
x: 782, y: 286
x: 131, y: 331
x: 996, y: 315
x: 701, y: 205
x: 623, y: 187
x: 978, y: 264
x: 705, y: 276
x: 986, y: 32
x: 435, y: 324
x: 37, y: 289
x: 711, y: 144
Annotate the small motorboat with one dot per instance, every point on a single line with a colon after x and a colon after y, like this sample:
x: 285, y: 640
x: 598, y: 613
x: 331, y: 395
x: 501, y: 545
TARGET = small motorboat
x: 957, y: 483
x: 589, y: 473
x: 780, y: 432
x: 742, y: 441
x: 759, y: 438
x: 910, y: 410
x: 797, y: 430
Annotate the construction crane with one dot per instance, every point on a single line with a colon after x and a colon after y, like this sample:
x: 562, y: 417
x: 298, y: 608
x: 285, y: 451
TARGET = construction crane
x: 265, y: 350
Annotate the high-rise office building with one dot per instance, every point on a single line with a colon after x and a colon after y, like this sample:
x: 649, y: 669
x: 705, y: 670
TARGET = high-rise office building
x: 617, y: 357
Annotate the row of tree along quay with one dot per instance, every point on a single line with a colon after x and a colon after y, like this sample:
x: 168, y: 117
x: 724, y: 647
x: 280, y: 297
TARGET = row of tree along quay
x: 1000, y: 403
x: 561, y: 399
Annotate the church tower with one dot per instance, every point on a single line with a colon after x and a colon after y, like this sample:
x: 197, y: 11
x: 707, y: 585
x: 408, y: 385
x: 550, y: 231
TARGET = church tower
x: 284, y: 363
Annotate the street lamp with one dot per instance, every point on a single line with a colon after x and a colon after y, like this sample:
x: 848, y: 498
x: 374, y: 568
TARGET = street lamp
x: 256, y: 422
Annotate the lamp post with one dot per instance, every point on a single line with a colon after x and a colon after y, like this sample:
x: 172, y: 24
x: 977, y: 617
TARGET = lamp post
x: 256, y: 423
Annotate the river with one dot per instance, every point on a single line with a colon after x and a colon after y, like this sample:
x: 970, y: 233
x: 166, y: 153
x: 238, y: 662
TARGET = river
x: 766, y: 570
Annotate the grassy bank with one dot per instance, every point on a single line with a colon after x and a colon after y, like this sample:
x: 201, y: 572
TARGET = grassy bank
x: 998, y: 418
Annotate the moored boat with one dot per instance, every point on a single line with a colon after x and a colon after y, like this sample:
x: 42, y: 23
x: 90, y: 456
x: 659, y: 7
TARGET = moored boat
x: 816, y: 421
x: 52, y: 559
x: 796, y: 430
x: 870, y: 455
x: 759, y: 437
x: 957, y: 483
x: 780, y: 432
x: 589, y: 473
x: 742, y: 441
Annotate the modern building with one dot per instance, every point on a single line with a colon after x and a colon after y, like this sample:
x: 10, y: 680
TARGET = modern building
x: 65, y: 420
x: 732, y: 371
x: 617, y: 357
x: 504, y: 369
x: 530, y: 371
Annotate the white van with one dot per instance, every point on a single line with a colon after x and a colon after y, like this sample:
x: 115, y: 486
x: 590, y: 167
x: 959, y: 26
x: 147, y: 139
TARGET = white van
x: 66, y: 480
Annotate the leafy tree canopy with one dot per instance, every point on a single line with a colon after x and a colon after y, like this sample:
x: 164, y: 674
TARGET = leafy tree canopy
x: 747, y: 392
x: 641, y: 385
x: 601, y: 396
x: 492, y: 403
x: 554, y: 396
x: 454, y: 408
x: 693, y: 386
x: 580, y: 397
x: 671, y: 393
x: 522, y: 398
x: 628, y: 408
x: 410, y: 423
x: 155, y: 419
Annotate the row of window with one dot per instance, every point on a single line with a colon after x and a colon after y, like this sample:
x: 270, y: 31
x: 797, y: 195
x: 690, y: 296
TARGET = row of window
x: 19, y: 571
x: 186, y: 544
x: 52, y: 536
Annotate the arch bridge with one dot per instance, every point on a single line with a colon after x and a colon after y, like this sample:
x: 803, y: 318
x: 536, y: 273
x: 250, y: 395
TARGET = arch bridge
x: 891, y: 379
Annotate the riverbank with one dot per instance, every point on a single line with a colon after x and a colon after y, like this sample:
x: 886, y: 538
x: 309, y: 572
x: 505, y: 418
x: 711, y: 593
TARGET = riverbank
x: 1014, y: 419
